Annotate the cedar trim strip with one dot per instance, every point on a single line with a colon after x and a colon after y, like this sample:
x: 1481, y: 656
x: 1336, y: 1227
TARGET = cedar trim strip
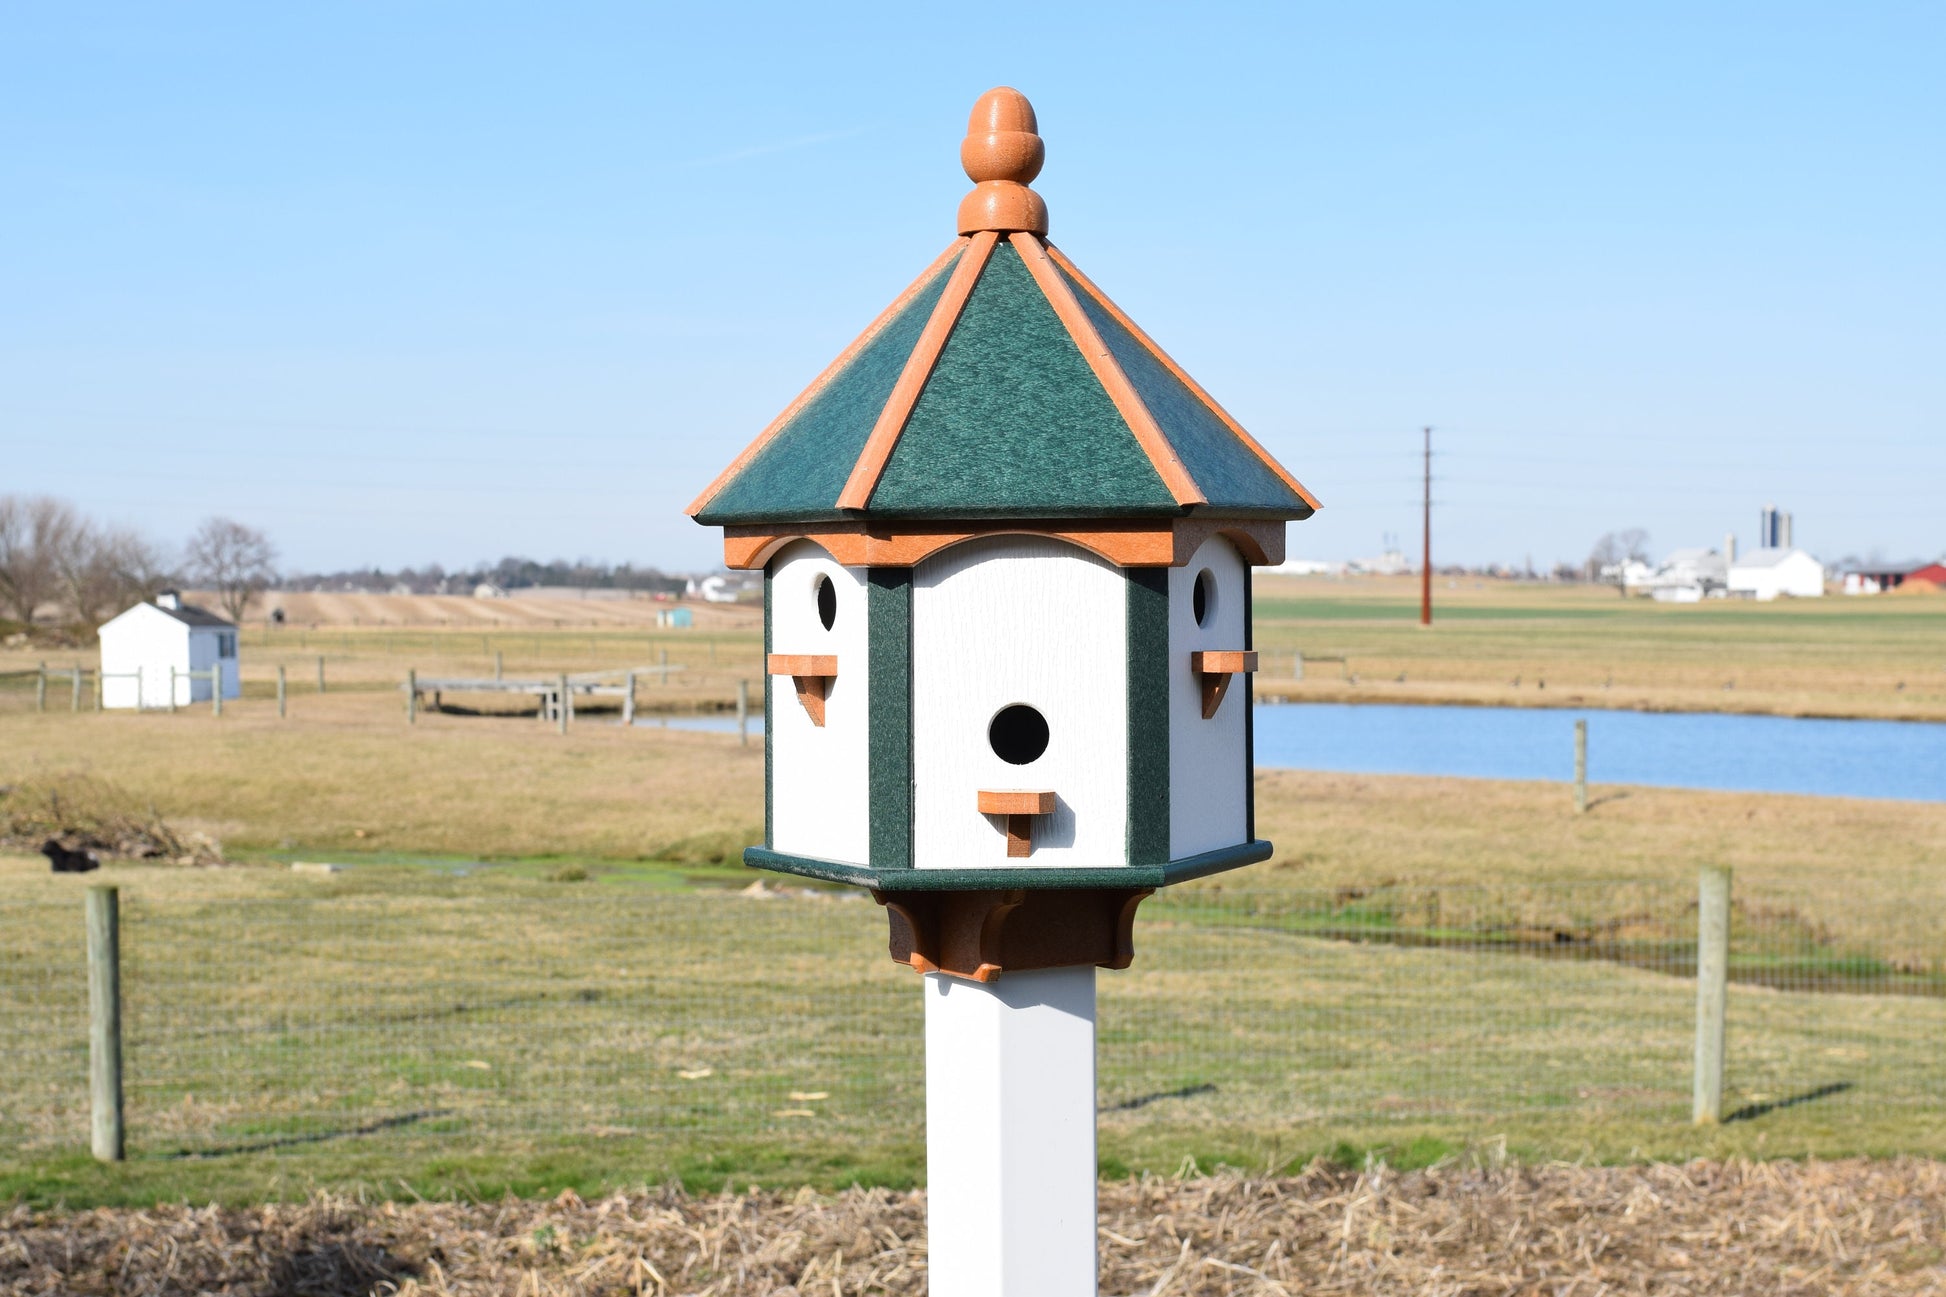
x: 1168, y: 465
x: 918, y: 368
x: 1121, y: 318
x: 818, y: 384
x: 1164, y: 542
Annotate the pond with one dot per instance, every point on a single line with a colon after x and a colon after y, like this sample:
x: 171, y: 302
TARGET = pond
x: 1763, y: 754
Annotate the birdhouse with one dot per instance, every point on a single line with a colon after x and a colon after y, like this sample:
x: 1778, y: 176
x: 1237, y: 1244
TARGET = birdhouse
x: 1007, y: 547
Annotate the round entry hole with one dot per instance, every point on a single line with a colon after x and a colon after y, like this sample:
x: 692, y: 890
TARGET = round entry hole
x: 1018, y: 734
x: 827, y: 602
x: 1202, y: 599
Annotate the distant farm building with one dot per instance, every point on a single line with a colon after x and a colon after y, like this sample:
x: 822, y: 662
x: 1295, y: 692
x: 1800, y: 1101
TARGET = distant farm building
x: 152, y: 645
x: 1773, y: 572
x: 1689, y: 576
x: 675, y: 618
x: 721, y: 589
x: 1883, y: 577
x: 488, y: 590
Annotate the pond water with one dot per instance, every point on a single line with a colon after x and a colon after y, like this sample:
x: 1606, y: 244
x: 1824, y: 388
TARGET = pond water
x: 1764, y: 754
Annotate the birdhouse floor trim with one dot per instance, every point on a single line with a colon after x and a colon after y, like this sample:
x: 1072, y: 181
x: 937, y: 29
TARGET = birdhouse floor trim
x: 1162, y: 542
x: 981, y: 935
x: 1011, y: 879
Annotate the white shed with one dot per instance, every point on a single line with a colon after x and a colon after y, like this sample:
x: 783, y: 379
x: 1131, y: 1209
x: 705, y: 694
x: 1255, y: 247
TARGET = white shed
x: 1768, y: 573
x: 143, y: 649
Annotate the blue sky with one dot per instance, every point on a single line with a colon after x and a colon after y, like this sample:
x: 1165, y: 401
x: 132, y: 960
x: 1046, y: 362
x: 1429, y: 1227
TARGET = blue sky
x: 410, y: 283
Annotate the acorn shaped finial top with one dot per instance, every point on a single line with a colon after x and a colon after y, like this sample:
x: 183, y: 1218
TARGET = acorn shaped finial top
x: 1002, y: 153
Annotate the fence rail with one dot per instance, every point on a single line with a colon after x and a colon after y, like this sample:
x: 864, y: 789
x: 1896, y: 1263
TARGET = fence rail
x: 706, y: 1017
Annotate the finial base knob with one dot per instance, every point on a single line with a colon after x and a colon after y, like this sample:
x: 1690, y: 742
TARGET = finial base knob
x: 1002, y: 205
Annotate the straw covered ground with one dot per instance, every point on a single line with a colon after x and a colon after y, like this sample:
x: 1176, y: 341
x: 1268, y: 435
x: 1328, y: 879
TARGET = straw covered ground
x: 1852, y: 1227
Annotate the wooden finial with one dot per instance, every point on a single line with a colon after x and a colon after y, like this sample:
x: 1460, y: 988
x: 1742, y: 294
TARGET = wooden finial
x: 1002, y: 153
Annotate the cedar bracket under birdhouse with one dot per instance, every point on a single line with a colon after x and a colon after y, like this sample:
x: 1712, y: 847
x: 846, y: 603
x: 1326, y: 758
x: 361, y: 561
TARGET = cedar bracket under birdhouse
x: 1214, y: 669
x: 1020, y: 807
x: 980, y: 935
x: 811, y: 673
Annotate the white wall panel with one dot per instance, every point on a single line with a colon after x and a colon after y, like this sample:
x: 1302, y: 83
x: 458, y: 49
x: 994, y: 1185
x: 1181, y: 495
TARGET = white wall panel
x: 1209, y: 769
x: 1019, y: 619
x: 820, y: 788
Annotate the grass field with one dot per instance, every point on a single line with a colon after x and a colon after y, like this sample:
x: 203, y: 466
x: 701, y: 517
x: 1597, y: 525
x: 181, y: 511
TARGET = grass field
x: 1513, y: 644
x: 1492, y: 643
x: 1390, y: 1022
x: 414, y: 1029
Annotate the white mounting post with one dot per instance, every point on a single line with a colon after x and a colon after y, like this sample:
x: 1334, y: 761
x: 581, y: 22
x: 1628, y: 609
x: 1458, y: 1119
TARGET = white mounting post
x: 1010, y: 1134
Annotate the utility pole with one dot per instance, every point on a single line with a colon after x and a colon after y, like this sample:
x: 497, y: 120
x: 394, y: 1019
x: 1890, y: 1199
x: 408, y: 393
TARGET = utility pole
x: 1425, y: 533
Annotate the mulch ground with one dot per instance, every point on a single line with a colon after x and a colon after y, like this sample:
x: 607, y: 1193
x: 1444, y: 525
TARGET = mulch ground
x: 1773, y: 1228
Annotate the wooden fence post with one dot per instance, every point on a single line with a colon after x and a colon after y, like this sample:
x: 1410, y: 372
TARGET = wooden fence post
x: 665, y: 667
x: 216, y: 687
x: 172, y: 688
x: 320, y: 673
x: 100, y: 686
x: 561, y: 710
x: 40, y: 689
x: 411, y: 696
x: 628, y: 700
x: 105, y: 1023
x: 280, y: 691
x: 743, y: 712
x: 499, y: 665
x: 1712, y: 990
x: 74, y: 702
x: 1297, y: 665
x: 1580, y: 767
x: 141, y: 699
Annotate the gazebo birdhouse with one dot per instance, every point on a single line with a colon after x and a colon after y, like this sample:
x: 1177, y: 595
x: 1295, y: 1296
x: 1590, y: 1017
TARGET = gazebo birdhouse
x: 1006, y: 545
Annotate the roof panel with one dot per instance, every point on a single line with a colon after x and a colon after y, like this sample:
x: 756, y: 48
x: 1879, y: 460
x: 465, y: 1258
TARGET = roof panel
x: 797, y: 476
x: 1012, y: 421
x: 1229, y: 473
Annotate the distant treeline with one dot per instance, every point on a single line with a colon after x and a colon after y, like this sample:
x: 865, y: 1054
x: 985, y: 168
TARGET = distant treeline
x: 508, y: 574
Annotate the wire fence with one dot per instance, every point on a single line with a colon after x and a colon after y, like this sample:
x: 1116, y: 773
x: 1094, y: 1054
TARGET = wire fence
x: 712, y: 1020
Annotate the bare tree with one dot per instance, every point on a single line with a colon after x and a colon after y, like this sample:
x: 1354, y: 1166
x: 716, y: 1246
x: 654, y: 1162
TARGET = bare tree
x: 1607, y: 552
x: 234, y: 560
x: 1635, y: 544
x: 35, y: 532
x: 105, y: 569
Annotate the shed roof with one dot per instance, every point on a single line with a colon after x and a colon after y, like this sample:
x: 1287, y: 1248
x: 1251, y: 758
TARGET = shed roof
x: 1002, y: 384
x: 190, y: 615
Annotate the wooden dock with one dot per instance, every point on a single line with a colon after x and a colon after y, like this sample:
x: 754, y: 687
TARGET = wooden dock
x: 555, y: 694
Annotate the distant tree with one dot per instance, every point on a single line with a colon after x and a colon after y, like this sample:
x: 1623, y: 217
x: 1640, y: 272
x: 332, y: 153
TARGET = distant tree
x: 234, y: 560
x: 1635, y: 544
x: 34, y: 531
x: 105, y: 569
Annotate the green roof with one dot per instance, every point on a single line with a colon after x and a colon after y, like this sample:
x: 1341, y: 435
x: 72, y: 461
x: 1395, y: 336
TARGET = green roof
x: 1002, y: 414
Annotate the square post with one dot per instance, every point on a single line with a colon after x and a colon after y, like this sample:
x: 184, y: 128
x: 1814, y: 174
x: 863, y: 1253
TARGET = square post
x: 103, y: 910
x: 280, y: 691
x: 411, y: 696
x: 1581, y: 767
x: 1010, y: 1134
x: 1712, y: 991
x: 216, y: 687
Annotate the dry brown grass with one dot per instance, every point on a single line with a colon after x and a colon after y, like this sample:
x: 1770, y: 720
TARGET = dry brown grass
x: 1852, y: 1228
x: 1514, y: 645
